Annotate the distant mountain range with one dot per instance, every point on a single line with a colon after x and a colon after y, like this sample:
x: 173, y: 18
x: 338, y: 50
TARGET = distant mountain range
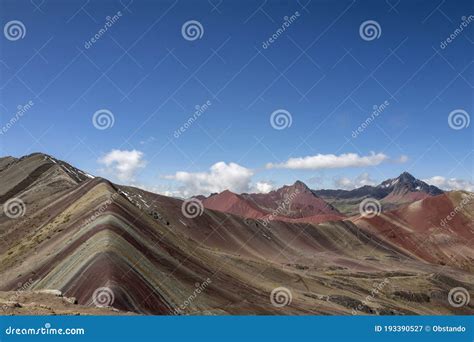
x: 295, y: 203
x: 85, y: 239
x: 318, y: 206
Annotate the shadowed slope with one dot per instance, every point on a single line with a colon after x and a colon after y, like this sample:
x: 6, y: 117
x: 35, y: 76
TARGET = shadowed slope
x: 115, y: 243
x: 82, y: 237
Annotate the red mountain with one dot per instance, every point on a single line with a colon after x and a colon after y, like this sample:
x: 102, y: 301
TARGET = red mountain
x: 435, y: 229
x: 290, y: 203
x: 231, y: 203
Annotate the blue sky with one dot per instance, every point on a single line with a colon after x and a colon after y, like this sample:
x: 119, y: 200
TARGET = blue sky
x: 320, y: 70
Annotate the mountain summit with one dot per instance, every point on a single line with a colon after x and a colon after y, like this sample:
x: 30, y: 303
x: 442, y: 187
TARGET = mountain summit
x: 102, y: 243
x: 309, y: 205
x: 392, y: 193
x: 406, y: 183
x: 290, y: 202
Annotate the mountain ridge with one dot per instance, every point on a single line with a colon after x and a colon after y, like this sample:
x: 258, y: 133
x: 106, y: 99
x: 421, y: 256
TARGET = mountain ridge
x: 392, y: 193
x: 291, y: 202
x: 79, y: 235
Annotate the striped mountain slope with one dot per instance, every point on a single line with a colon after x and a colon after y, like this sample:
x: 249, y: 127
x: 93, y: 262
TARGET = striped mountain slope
x: 81, y: 235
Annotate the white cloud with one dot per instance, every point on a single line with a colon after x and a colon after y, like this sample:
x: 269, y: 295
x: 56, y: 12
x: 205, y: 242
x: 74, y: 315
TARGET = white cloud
x: 450, y: 184
x: 331, y: 161
x: 263, y: 187
x: 349, y: 184
x: 160, y: 189
x: 221, y: 176
x: 123, y: 164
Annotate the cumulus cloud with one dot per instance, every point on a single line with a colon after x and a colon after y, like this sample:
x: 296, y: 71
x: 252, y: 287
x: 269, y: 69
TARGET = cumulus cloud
x: 221, y: 176
x: 349, y: 184
x: 123, y: 164
x: 263, y: 187
x: 331, y: 161
x: 160, y: 189
x: 450, y: 184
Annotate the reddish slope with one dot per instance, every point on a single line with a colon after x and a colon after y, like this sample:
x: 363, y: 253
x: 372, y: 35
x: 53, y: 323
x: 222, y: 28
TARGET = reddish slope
x: 231, y: 203
x: 141, y: 251
x: 422, y: 229
x: 295, y: 203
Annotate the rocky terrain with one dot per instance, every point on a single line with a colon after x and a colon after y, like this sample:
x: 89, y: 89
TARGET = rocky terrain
x: 391, y: 193
x: 44, y: 303
x: 295, y: 203
x: 118, y: 249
